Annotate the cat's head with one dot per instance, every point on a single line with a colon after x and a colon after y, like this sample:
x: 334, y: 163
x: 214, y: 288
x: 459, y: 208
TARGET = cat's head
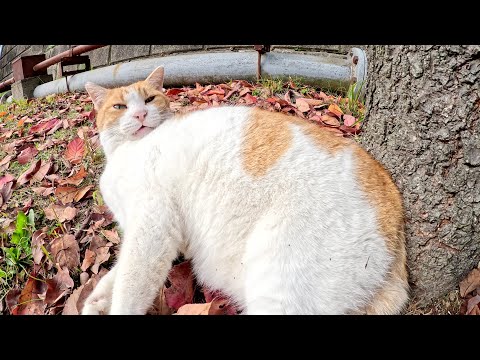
x: 130, y: 112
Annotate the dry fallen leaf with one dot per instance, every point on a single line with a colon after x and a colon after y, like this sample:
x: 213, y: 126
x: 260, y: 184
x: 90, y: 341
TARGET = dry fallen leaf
x: 472, y: 305
x: 181, y: 289
x: 68, y: 194
x: 75, y: 150
x: 29, y: 173
x: 302, y: 105
x: 58, y: 286
x: 194, y: 309
x: 65, y: 251
x: 88, y: 260
x: 330, y: 120
x: 471, y: 282
x: 45, y: 168
x: 27, y: 154
x: 75, y: 179
x: 75, y: 302
x: 336, y: 110
x: 60, y: 213
x: 349, y: 120
x: 111, y: 235
x: 30, y: 301
x: 37, y: 243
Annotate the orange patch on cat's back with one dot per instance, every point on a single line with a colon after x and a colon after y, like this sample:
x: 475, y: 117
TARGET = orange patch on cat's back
x: 267, y: 137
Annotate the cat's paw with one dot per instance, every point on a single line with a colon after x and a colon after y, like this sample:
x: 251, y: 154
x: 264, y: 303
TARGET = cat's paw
x: 96, y: 306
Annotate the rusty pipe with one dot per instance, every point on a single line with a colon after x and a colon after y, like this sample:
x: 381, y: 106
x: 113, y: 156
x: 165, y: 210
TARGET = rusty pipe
x: 77, y: 50
x: 7, y: 83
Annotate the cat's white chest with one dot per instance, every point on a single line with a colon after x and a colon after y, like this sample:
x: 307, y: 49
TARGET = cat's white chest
x: 118, y: 184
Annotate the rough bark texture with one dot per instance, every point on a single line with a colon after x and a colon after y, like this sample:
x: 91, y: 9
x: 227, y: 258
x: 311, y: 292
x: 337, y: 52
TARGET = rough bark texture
x: 422, y: 123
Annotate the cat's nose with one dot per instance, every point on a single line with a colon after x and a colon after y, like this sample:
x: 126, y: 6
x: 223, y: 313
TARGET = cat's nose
x: 140, y: 115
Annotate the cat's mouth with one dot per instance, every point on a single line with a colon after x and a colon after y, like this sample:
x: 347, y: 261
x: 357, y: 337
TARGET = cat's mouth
x: 144, y: 130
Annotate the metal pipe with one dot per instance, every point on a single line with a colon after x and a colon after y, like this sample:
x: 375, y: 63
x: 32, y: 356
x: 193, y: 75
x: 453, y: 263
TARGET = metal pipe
x: 324, y: 70
x: 77, y: 50
x: 7, y: 83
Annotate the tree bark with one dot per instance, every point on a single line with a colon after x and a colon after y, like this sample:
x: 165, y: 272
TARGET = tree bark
x: 422, y: 123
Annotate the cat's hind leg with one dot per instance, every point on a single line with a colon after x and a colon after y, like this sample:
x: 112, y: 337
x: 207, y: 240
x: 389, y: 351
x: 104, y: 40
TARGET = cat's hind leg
x: 265, y: 288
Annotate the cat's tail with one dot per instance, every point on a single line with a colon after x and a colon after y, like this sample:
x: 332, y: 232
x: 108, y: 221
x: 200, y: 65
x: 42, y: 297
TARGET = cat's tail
x: 393, y: 296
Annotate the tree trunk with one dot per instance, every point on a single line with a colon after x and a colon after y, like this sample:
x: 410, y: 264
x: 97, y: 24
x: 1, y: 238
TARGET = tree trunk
x: 422, y: 123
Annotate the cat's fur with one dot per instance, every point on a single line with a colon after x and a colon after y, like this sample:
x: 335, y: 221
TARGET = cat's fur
x: 276, y: 212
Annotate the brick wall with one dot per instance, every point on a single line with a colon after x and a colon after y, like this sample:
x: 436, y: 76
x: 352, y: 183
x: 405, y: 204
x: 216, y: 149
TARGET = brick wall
x: 113, y: 54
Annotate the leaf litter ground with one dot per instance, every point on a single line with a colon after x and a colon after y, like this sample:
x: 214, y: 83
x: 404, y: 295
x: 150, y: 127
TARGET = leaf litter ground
x: 50, y: 163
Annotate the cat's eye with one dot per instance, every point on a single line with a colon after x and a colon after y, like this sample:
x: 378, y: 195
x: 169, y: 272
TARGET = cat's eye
x: 149, y: 99
x: 119, y: 106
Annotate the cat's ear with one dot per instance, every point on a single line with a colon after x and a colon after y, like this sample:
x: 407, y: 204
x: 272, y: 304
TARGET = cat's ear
x: 156, y: 78
x: 97, y: 93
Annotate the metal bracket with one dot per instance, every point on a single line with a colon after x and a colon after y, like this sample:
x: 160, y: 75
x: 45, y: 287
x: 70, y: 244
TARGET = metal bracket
x: 73, y: 60
x: 261, y: 49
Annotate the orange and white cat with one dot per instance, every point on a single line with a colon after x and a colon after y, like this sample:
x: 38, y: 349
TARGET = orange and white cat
x: 276, y: 212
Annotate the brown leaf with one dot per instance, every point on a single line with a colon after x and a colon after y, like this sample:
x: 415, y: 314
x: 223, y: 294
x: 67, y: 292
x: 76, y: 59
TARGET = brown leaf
x: 57, y: 287
x: 75, y: 151
x: 27, y: 154
x: 43, y: 126
x: 6, y: 192
x: 472, y: 303
x: 30, y: 301
x: 5, y: 163
x: 88, y: 260
x: 302, y: 105
x: 249, y: 99
x: 60, y: 213
x: 5, y: 179
x: 82, y: 192
x: 70, y: 307
x: 65, y: 194
x: 336, y: 110
x: 12, y: 299
x: 68, y: 194
x: 173, y: 91
x: 45, y: 169
x: 181, y: 289
x: 160, y: 306
x: 471, y: 282
x: 29, y: 173
x: 101, y: 248
x: 349, y: 120
x: 111, y: 235
x: 57, y: 126
x: 65, y: 251
x: 313, y: 102
x: 27, y: 204
x: 75, y: 179
x: 194, y: 309
x: 75, y: 302
x: 43, y: 191
x: 330, y: 120
x: 37, y: 243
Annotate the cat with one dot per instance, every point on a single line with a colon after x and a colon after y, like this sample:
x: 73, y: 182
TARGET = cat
x: 277, y: 213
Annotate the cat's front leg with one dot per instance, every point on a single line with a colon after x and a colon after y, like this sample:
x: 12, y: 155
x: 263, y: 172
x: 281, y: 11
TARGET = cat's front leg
x: 100, y: 300
x: 148, y: 250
